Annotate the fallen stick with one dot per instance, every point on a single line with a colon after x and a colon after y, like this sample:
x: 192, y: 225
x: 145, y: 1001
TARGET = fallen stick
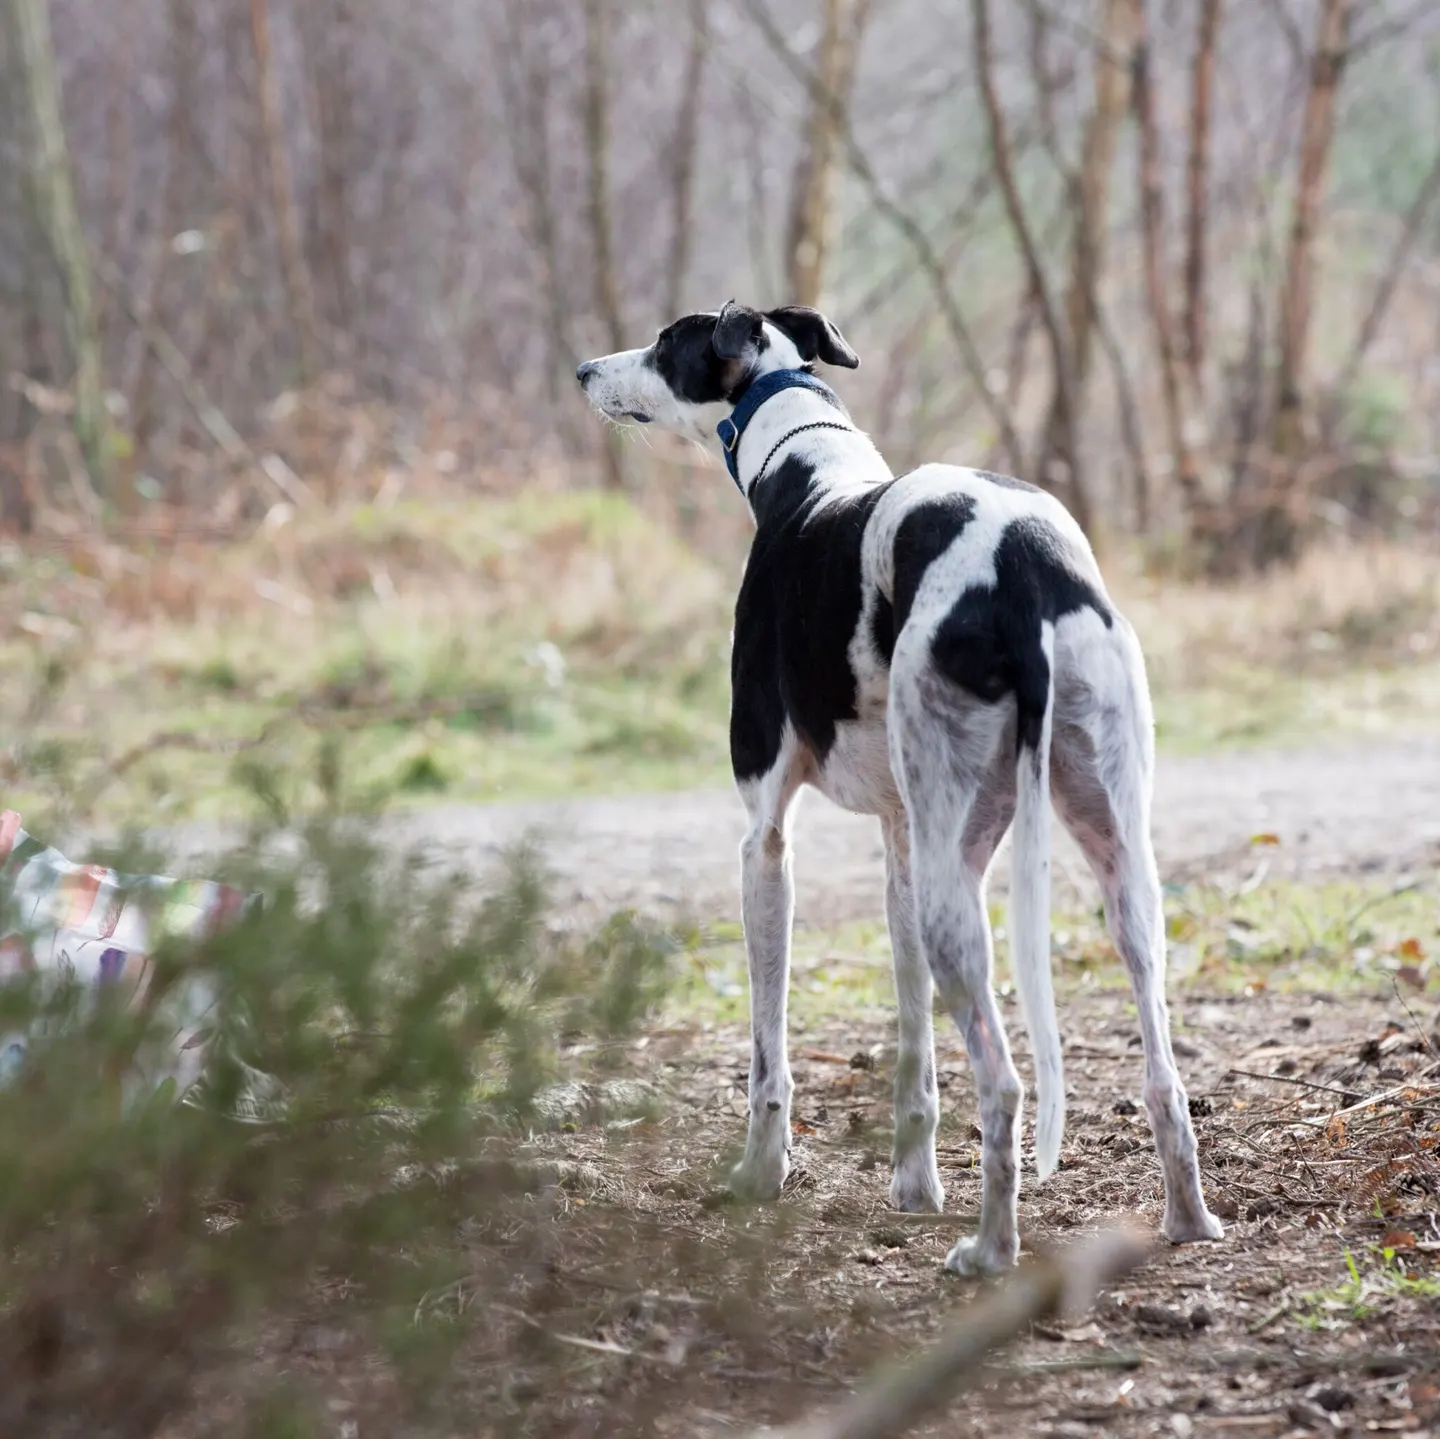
x: 1105, y: 1359
x: 1348, y: 1095
x: 1384, y: 1097
x: 901, y: 1396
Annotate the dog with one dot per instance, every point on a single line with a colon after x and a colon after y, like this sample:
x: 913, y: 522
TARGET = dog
x: 938, y: 650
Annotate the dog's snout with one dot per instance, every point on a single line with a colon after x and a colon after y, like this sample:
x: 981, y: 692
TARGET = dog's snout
x: 584, y: 371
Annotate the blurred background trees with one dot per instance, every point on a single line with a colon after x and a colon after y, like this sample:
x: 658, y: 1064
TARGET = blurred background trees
x: 1179, y: 262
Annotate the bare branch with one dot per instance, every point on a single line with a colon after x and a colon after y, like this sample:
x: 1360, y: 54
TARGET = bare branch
x: 597, y: 135
x: 1390, y: 276
x: 1130, y: 429
x: 687, y: 139
x: 524, y: 86
x: 1390, y: 29
x: 957, y: 222
x: 1152, y: 208
x: 1066, y: 446
x: 270, y: 467
x: 1293, y: 38
x: 1093, y: 39
x: 1047, y: 83
x: 1197, y: 185
x: 911, y: 230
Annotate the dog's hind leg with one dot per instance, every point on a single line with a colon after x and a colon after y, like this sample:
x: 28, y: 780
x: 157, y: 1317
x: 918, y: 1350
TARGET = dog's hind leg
x: 1102, y: 761
x: 915, y: 1187
x: 768, y: 908
x: 947, y: 748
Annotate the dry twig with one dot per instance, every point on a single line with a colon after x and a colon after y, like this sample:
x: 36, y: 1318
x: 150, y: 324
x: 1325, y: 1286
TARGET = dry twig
x: 899, y: 1399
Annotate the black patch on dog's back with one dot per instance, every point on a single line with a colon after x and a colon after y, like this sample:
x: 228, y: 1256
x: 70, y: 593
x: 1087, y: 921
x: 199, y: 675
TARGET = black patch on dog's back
x: 921, y: 538
x: 989, y: 643
x: 798, y: 608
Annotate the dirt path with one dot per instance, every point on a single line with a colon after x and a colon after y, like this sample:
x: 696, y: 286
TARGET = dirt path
x: 1354, y: 808
x: 1255, y: 1336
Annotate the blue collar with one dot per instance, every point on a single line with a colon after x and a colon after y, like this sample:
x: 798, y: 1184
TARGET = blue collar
x: 732, y: 429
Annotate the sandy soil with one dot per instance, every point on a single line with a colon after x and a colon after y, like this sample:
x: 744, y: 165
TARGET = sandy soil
x: 647, y: 1305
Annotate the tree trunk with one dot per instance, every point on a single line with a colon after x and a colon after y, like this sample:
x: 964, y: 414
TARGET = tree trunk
x: 1197, y: 176
x: 808, y: 241
x: 288, y: 239
x: 598, y: 19
x: 1276, y: 530
x: 687, y: 139
x: 182, y: 145
x: 55, y: 192
x: 1152, y: 217
x: 525, y: 91
x: 329, y: 36
x: 597, y: 137
x: 1062, y: 443
x: 1097, y: 164
x: 1090, y: 197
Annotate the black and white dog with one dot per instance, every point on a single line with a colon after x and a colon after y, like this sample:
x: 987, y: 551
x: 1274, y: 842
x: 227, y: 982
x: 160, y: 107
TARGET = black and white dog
x: 937, y: 650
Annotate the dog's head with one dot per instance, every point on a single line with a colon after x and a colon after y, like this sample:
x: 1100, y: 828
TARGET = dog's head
x: 697, y: 369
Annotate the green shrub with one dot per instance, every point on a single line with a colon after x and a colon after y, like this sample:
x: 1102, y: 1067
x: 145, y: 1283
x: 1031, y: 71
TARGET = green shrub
x: 412, y: 1027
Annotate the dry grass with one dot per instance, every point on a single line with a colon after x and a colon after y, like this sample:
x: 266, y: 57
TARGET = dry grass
x: 1347, y: 641
x: 563, y: 642
x: 553, y: 642
x: 1376, y: 603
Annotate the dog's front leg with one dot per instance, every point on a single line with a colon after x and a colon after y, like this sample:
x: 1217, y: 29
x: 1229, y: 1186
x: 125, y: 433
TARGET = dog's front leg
x: 768, y: 908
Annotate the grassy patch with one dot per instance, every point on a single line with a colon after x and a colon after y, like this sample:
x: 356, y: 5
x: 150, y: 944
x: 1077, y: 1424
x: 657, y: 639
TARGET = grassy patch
x: 1237, y: 706
x: 542, y: 646
x: 1377, y: 1280
x: 555, y: 644
x: 1339, y: 937
x: 1348, y: 642
x: 411, y: 1029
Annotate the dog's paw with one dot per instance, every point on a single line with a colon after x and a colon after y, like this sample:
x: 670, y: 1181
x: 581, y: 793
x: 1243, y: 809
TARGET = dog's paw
x: 758, y: 1180
x: 916, y: 1189
x: 1192, y: 1228
x: 977, y: 1257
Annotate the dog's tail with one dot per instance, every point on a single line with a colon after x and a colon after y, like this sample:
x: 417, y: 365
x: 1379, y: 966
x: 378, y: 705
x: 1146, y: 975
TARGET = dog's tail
x: 1030, y: 893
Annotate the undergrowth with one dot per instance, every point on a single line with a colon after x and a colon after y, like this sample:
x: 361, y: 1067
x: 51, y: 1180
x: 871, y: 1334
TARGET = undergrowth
x: 1378, y: 1277
x: 557, y: 644
x: 414, y: 1028
x: 1340, y: 936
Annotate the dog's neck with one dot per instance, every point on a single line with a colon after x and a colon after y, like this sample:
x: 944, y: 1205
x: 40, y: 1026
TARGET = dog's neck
x: 787, y: 414
x: 731, y: 430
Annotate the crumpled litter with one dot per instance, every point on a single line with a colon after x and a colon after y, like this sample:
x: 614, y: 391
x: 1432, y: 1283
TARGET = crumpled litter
x: 92, y: 926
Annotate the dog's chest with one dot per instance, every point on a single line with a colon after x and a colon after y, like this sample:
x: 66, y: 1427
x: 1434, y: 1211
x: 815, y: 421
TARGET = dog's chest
x: 805, y: 654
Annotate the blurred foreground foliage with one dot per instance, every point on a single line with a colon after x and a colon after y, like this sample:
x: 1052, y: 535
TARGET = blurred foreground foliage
x: 413, y: 1025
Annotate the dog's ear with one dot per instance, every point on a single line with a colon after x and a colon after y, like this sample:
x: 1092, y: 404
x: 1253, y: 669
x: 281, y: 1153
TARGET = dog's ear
x: 738, y: 331
x: 815, y: 337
